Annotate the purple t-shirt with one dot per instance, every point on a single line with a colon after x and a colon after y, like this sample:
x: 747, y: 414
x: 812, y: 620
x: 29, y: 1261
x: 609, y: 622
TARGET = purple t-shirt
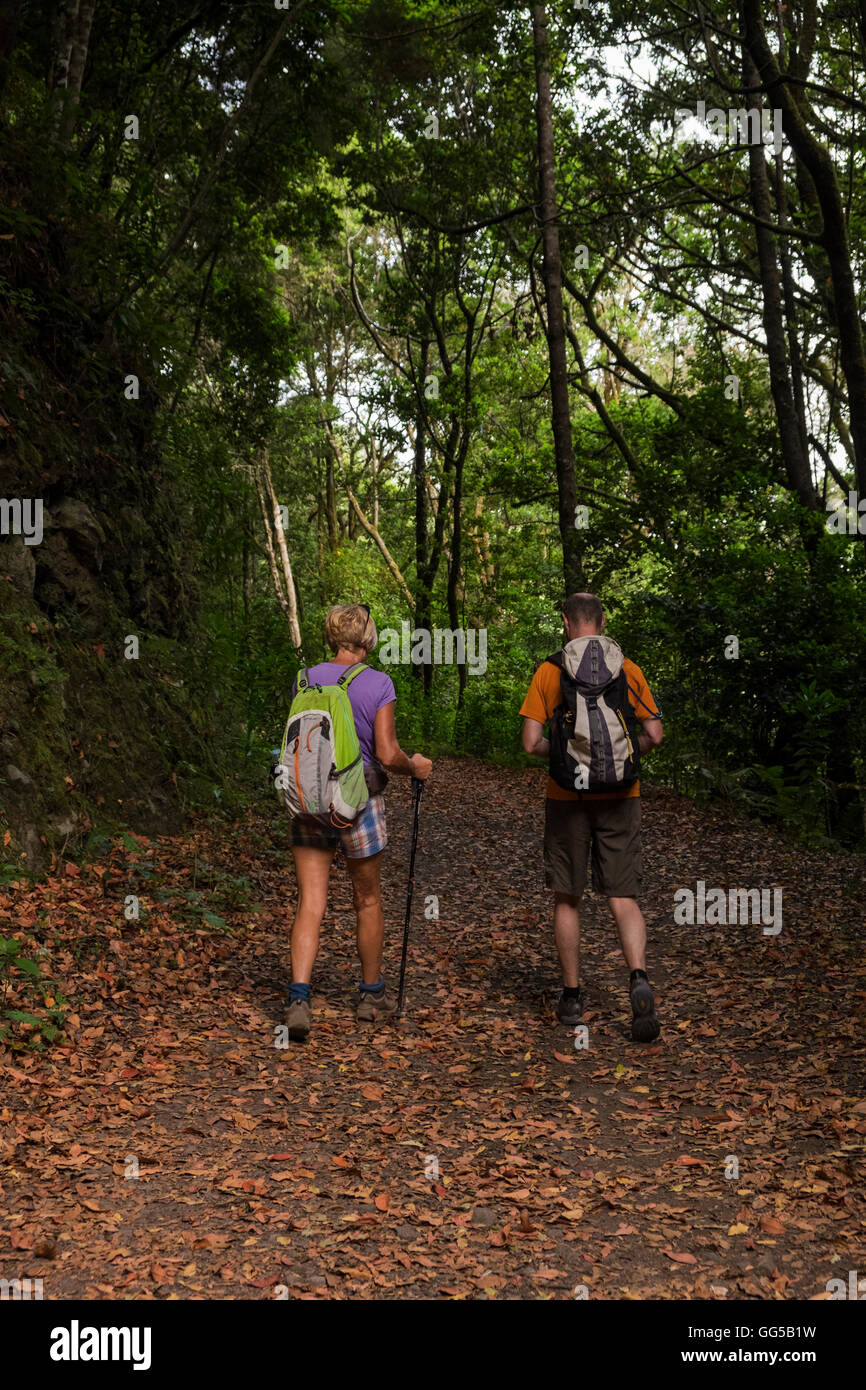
x: 367, y: 693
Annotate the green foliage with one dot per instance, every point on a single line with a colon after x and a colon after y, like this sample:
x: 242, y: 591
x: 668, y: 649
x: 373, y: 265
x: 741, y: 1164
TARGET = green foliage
x: 22, y: 983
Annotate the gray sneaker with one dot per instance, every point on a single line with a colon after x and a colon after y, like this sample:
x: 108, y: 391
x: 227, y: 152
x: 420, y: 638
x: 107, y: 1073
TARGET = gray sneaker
x: 371, y: 1006
x: 299, y: 1019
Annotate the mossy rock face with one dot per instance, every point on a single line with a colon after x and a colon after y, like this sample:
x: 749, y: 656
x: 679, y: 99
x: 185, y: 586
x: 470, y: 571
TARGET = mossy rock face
x: 90, y: 738
x: 94, y: 734
x: 18, y: 566
x: 63, y: 583
x: 87, y: 739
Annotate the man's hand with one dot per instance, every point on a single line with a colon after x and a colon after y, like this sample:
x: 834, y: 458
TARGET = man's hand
x: 650, y: 736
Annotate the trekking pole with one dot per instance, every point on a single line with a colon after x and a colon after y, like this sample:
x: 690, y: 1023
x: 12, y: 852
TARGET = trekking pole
x: 417, y: 788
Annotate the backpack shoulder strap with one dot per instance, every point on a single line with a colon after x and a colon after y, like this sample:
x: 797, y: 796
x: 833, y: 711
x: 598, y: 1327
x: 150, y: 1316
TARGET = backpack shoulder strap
x: 348, y: 676
x: 653, y: 713
x: 557, y: 659
x: 302, y: 680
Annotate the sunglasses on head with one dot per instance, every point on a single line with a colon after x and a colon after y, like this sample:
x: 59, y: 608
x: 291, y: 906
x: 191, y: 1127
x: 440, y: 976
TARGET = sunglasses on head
x: 366, y: 608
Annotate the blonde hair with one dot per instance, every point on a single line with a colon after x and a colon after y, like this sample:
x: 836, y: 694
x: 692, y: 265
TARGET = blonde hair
x: 350, y: 625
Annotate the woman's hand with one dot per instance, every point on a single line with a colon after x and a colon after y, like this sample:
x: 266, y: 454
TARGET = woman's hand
x: 421, y: 766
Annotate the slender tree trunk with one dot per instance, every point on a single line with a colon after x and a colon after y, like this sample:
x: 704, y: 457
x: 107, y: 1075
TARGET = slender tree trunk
x: 456, y: 558
x: 245, y: 594
x: 288, y: 600
x: 320, y: 527
x: 556, y: 343
x: 423, y: 596
x: 331, y: 503
x: 795, y: 458
x: 269, y: 542
x: 80, y: 40
x: 818, y: 162
x: 439, y: 507
x: 791, y: 308
x: 375, y: 535
x: 374, y: 479
x: 481, y: 542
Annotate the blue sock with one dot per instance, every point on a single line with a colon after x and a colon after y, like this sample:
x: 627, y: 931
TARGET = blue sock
x: 373, y: 989
x: 298, y: 990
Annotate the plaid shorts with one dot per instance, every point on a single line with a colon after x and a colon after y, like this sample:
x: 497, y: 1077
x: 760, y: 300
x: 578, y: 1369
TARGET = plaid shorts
x: 365, y: 836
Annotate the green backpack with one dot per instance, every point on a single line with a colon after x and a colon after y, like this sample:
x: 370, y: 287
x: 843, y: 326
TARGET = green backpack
x: 320, y: 772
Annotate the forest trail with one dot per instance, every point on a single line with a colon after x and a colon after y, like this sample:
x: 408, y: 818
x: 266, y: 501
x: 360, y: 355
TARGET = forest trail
x: 470, y: 1152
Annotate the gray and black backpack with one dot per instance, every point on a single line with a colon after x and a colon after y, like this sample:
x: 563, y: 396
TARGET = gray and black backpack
x: 593, y: 733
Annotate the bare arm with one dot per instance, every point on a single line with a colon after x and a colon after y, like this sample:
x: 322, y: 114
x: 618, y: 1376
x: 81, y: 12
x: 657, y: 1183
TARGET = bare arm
x: 389, y: 752
x: 534, y: 741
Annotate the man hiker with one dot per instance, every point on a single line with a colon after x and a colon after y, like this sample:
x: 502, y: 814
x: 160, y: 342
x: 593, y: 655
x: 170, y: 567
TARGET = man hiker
x: 605, y: 822
x: 351, y: 634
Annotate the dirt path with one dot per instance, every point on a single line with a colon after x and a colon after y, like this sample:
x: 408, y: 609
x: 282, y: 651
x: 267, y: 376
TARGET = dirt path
x: 472, y: 1152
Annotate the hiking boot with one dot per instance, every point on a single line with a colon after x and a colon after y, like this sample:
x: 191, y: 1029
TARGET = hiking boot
x: 299, y: 1019
x: 371, y: 1006
x: 645, y: 1026
x: 570, y: 1010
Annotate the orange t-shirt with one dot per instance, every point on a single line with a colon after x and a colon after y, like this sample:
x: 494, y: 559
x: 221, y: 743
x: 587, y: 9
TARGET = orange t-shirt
x: 545, y: 693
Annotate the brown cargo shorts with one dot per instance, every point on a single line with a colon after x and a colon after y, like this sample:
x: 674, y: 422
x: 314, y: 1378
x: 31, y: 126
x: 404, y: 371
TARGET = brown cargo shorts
x: 610, y: 828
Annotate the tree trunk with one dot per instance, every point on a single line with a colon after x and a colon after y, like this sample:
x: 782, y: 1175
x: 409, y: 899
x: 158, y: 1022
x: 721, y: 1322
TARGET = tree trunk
x: 423, y: 596
x: 556, y: 343
x: 791, y: 308
x: 287, y: 599
x: 331, y: 503
x: 374, y: 479
x: 481, y: 543
x: 795, y: 458
x: 77, y: 61
x: 320, y: 527
x: 63, y: 23
x: 455, y: 560
x: 373, y: 532
x: 818, y: 163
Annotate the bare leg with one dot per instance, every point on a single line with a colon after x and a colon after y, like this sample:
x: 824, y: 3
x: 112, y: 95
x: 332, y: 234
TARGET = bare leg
x: 632, y: 931
x: 566, y: 929
x: 367, y: 895
x: 312, y: 867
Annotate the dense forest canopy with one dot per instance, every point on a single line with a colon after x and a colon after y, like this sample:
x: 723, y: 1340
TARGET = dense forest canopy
x: 449, y: 309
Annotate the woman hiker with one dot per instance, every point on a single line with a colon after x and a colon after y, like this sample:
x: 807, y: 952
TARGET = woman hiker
x: 351, y: 634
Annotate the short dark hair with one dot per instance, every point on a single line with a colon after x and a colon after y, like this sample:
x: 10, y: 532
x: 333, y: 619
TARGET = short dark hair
x: 583, y: 608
